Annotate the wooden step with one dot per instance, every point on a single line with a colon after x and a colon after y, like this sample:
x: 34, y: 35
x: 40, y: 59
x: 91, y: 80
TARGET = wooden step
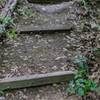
x: 35, y: 80
x: 50, y: 27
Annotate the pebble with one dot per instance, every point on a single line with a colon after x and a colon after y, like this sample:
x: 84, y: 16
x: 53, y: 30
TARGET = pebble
x: 54, y: 68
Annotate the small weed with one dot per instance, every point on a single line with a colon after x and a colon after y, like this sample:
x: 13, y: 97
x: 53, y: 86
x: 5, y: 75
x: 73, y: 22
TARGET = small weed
x: 86, y: 3
x: 89, y: 8
x: 81, y: 62
x: 81, y: 84
x: 6, y: 21
x: 25, y: 12
x: 10, y: 33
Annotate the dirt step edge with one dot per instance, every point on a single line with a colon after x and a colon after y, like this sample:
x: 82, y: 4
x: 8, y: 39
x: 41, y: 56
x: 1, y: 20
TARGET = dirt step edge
x: 35, y: 80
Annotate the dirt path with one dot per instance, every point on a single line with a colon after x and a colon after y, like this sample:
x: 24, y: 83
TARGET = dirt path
x: 45, y: 52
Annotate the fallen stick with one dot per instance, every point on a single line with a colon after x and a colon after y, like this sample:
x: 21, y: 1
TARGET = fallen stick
x: 35, y: 80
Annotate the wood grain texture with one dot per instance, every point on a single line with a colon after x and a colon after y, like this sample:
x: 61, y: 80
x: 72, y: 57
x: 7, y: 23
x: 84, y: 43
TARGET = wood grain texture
x: 35, y: 80
x: 33, y: 28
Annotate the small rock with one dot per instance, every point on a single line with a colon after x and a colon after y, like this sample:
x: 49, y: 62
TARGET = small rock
x: 54, y: 67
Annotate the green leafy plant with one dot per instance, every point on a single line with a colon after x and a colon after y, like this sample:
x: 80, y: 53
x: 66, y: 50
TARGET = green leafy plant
x: 87, y: 4
x: 81, y: 62
x: 81, y: 84
x: 10, y: 33
x: 25, y: 12
x: 6, y: 21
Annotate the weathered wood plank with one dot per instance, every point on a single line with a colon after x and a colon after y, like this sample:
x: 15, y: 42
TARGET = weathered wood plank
x: 35, y: 80
x: 52, y: 27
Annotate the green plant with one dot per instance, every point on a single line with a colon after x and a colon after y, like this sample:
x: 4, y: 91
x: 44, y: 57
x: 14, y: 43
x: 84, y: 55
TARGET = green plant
x: 87, y: 5
x: 4, y: 22
x: 86, y: 2
x: 81, y: 84
x: 81, y: 62
x: 25, y: 12
x: 11, y: 33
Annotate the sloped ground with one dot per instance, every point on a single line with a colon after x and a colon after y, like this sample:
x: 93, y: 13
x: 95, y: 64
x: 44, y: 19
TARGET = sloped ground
x: 39, y: 53
x: 39, y: 93
x: 42, y: 52
x: 47, y: 52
